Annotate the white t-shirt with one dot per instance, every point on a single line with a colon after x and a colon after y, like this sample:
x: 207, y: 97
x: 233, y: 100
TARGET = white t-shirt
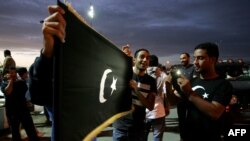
x: 159, y: 110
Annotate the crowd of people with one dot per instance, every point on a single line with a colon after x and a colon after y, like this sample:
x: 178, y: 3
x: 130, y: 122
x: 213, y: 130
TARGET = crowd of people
x: 203, y: 95
x: 14, y: 86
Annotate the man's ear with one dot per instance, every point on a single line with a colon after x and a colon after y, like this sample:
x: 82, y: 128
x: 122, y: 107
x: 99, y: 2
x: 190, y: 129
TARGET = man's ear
x: 134, y: 59
x: 214, y: 60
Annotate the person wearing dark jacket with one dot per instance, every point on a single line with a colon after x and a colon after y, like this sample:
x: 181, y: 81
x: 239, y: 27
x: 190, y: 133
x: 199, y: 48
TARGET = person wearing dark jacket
x: 16, y: 110
x: 41, y: 71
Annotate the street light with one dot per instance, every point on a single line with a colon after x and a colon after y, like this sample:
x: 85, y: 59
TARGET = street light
x: 91, y: 12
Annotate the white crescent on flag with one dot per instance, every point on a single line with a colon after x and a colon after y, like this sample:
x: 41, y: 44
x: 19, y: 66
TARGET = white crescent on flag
x: 205, y: 95
x: 102, y: 85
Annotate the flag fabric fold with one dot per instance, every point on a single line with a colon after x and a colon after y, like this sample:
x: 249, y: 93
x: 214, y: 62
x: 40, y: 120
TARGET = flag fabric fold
x: 91, y: 81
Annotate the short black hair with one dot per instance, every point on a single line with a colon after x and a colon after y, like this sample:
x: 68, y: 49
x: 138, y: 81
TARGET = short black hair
x: 211, y: 48
x: 153, y: 61
x: 137, y: 51
x: 7, y: 52
x: 186, y: 54
x: 21, y: 71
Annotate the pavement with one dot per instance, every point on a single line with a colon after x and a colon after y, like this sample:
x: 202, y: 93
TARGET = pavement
x: 241, y: 120
x: 39, y: 120
x: 171, y: 130
x: 41, y: 126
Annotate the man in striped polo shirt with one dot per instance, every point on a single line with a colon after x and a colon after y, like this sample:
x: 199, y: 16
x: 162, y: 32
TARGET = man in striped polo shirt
x: 132, y: 126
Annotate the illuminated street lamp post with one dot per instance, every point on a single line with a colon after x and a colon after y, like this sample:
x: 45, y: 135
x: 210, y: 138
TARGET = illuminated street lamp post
x: 91, y: 13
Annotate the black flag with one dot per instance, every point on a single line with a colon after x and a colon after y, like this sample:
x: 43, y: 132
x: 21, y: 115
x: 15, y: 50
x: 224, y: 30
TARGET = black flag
x: 91, y: 82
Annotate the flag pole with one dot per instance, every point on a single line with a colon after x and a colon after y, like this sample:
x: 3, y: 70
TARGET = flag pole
x: 56, y: 86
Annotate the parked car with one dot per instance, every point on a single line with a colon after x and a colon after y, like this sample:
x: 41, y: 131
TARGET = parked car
x: 239, y: 77
x: 238, y: 111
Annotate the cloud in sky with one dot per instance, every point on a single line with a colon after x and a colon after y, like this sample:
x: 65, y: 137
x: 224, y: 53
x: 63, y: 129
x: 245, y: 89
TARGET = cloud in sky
x: 165, y: 27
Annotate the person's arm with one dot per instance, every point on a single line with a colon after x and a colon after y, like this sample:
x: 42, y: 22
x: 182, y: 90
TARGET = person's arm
x: 53, y: 25
x: 172, y: 95
x: 41, y: 71
x: 9, y: 88
x: 148, y: 101
x: 212, y: 109
x: 9, y: 83
x: 169, y: 88
x: 6, y: 64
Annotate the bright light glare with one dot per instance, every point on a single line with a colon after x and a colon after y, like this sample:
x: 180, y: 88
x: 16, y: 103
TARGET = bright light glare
x: 91, y: 12
x: 178, y: 72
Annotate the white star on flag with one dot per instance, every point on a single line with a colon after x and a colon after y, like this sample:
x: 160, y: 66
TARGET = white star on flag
x: 205, y: 95
x: 113, y: 85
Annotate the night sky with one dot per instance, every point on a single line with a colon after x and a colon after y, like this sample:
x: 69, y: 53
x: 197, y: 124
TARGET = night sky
x: 165, y: 27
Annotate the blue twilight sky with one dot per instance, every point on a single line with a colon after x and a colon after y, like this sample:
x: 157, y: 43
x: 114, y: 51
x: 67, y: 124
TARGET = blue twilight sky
x: 165, y: 27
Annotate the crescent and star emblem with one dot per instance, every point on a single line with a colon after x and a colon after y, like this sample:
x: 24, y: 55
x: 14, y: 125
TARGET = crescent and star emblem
x: 102, y: 85
x: 205, y: 95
